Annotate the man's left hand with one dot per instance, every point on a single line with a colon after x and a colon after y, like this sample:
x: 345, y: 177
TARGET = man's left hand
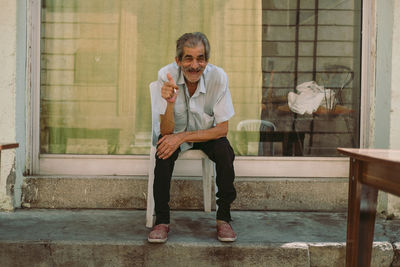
x: 167, y: 145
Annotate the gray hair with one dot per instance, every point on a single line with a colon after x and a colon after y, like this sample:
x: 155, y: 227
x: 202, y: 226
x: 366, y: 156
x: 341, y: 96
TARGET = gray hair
x: 192, y: 40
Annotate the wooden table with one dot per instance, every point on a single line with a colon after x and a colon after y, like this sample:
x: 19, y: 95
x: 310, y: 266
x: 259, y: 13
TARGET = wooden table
x: 338, y: 110
x: 292, y: 142
x: 370, y: 170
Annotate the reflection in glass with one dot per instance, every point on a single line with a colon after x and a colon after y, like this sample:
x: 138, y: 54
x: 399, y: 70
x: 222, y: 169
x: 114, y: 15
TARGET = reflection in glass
x: 306, y: 41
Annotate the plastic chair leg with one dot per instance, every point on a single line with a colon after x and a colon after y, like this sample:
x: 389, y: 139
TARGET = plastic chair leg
x: 207, y: 182
x: 150, y: 199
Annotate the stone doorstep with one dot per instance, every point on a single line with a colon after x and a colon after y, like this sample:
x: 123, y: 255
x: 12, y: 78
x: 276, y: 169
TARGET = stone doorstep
x: 130, y: 192
x: 118, y: 238
x: 58, y: 253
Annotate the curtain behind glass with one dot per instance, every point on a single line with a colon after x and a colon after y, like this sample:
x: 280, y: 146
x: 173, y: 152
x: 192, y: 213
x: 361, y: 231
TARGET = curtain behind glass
x: 99, y: 56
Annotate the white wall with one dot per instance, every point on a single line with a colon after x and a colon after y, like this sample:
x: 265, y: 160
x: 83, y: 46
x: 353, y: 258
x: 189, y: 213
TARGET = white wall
x: 7, y: 94
x: 395, y: 105
x: 394, y: 202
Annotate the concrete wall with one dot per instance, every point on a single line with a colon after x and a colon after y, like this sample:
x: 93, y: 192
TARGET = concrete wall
x: 395, y: 81
x: 7, y: 98
x: 387, y: 89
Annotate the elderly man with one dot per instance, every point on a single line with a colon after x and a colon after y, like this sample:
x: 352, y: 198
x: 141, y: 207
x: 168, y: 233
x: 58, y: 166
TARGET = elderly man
x: 196, y: 105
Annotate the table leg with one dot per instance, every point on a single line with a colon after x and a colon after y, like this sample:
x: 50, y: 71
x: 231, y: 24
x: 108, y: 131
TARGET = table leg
x: 299, y: 144
x: 286, y: 145
x: 361, y: 218
x: 311, y: 134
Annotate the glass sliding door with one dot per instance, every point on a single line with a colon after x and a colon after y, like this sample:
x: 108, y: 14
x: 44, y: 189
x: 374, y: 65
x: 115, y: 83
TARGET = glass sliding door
x: 98, y: 58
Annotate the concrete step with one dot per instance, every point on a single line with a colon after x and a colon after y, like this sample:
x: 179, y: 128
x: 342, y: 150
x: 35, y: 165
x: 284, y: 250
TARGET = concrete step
x: 129, y: 192
x: 118, y: 238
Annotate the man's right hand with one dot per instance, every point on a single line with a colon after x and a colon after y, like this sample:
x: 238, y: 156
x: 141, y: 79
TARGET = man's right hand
x: 169, y: 90
x: 168, y: 144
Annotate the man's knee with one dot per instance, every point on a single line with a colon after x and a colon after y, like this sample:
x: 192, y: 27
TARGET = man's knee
x: 223, y: 150
x: 172, y: 158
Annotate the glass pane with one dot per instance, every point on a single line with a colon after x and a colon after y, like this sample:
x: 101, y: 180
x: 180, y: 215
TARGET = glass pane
x: 305, y: 41
x: 99, y: 57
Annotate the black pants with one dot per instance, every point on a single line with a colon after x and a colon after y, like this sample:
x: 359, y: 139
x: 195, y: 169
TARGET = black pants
x: 219, y: 151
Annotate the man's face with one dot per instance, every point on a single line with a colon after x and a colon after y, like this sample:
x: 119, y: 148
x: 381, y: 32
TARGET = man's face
x: 193, y: 62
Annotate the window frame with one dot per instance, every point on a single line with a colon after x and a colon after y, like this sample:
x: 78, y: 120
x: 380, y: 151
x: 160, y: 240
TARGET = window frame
x: 245, y: 166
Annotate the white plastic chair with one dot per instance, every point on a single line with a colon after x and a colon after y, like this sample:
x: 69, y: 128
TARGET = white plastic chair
x: 258, y: 126
x: 207, y: 164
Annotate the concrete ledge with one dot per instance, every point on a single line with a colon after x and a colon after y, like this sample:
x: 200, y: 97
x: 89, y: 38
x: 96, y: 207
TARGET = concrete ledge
x: 382, y: 254
x: 327, y: 254
x: 319, y: 194
x: 292, y: 194
x: 48, y: 253
x: 84, y: 192
x: 118, y: 238
x: 175, y: 254
x: 334, y: 254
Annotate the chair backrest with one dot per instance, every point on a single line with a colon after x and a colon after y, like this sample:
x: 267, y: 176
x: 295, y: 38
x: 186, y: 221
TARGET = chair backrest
x: 252, y: 130
x: 256, y: 126
x: 155, y: 116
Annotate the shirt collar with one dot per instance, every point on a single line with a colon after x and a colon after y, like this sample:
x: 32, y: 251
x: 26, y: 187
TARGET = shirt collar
x: 181, y: 78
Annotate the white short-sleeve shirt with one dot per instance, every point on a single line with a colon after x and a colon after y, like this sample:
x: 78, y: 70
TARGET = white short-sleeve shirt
x: 210, y: 104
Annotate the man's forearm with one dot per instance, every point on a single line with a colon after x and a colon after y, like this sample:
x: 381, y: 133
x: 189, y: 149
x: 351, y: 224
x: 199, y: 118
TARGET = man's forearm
x: 170, y: 143
x: 219, y: 131
x: 167, y: 121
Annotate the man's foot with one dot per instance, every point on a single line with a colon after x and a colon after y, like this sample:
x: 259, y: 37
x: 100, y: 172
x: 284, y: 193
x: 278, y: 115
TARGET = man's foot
x: 225, y: 232
x: 159, y: 234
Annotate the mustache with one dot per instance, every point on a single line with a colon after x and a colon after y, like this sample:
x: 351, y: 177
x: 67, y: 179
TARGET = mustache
x: 190, y: 69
